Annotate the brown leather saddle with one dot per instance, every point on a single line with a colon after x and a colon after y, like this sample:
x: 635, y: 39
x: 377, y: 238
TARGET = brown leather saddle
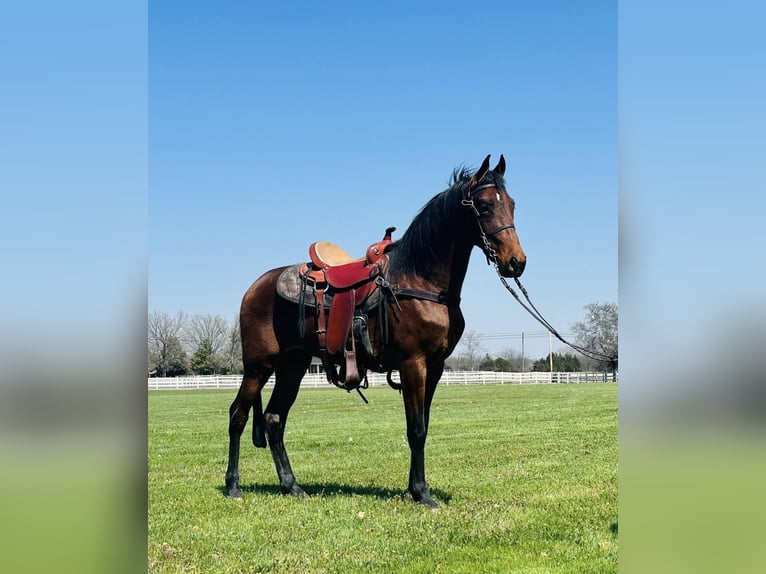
x: 349, y: 282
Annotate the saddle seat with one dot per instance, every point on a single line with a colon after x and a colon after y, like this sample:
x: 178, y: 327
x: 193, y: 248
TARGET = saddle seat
x: 326, y: 254
x: 350, y: 281
x: 341, y: 270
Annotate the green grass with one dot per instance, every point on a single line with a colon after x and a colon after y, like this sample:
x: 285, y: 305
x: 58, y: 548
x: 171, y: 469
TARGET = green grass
x: 526, y: 478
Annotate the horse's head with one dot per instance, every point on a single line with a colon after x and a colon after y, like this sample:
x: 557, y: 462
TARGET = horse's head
x: 487, y: 199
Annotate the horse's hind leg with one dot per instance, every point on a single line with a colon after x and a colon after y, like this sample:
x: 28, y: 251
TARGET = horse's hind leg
x: 259, y: 425
x: 287, y: 384
x: 249, y: 394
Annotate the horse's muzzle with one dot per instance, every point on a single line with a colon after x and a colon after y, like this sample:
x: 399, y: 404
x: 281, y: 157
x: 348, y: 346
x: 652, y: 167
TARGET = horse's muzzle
x: 514, y: 267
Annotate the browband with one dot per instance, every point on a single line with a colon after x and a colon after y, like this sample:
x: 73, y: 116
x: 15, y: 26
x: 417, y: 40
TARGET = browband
x: 473, y: 191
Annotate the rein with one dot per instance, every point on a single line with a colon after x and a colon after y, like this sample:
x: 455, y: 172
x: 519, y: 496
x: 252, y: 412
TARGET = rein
x: 491, y: 255
x: 532, y: 310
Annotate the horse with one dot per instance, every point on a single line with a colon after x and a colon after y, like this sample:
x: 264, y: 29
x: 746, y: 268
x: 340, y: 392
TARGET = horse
x: 429, y: 263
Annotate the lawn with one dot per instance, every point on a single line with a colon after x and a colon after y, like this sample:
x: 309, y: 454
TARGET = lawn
x: 525, y: 475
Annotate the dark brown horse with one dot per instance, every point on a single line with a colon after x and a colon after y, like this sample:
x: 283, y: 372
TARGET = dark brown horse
x: 432, y: 258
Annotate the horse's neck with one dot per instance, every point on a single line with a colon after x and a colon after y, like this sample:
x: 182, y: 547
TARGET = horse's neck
x: 435, y: 249
x: 450, y: 276
x: 448, y: 270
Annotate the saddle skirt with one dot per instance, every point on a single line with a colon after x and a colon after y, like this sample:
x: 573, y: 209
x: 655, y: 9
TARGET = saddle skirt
x: 290, y: 284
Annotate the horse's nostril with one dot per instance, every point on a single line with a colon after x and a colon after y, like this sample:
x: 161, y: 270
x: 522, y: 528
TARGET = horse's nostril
x: 517, y: 266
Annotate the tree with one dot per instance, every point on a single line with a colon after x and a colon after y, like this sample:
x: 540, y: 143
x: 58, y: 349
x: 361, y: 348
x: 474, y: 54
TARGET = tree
x: 471, y: 356
x: 598, y: 332
x: 516, y: 361
x: 210, y: 328
x: 207, y: 335
x: 176, y: 362
x: 166, y: 354
x: 497, y: 364
x: 567, y: 363
x: 232, y: 349
x: 204, y: 360
x: 487, y: 363
x: 503, y: 365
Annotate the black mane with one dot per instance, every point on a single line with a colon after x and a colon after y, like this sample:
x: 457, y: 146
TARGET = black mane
x: 435, y: 227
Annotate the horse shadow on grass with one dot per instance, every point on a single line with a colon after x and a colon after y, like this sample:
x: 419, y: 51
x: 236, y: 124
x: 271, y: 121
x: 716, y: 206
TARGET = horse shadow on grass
x: 332, y: 489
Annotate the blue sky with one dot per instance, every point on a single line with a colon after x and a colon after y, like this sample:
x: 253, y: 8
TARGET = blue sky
x: 267, y: 123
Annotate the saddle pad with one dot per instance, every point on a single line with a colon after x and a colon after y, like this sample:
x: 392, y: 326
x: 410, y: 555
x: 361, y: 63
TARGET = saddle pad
x: 290, y: 283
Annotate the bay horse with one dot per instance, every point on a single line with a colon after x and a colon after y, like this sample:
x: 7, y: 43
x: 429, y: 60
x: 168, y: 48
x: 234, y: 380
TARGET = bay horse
x: 430, y: 259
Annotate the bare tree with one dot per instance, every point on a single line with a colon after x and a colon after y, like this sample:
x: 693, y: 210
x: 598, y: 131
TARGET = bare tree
x: 166, y: 355
x: 232, y: 348
x: 208, y: 329
x: 473, y: 352
x: 598, y: 332
x: 518, y: 362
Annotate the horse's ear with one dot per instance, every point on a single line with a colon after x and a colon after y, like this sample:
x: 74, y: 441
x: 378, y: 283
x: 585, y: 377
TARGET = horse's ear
x: 481, y: 172
x: 500, y: 167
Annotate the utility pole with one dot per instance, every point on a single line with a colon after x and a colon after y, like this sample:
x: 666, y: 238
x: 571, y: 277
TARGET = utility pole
x: 550, y: 348
x: 523, y: 366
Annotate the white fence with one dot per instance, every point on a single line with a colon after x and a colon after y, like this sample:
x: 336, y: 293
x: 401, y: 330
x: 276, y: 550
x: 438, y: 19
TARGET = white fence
x: 315, y: 380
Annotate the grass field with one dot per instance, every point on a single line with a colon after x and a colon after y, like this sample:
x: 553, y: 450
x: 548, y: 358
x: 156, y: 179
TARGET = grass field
x: 525, y: 475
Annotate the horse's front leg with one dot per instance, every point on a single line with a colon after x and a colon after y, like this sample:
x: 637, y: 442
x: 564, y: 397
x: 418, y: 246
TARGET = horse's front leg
x: 417, y: 390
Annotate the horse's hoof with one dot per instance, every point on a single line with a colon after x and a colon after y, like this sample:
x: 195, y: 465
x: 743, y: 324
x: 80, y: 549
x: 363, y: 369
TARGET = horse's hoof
x: 424, y: 499
x: 294, y: 490
x: 232, y: 487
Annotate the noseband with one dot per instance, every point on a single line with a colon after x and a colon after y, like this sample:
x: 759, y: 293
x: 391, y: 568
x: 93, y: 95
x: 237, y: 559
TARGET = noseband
x: 489, y: 251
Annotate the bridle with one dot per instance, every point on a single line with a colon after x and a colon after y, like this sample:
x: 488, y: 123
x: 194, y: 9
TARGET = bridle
x: 491, y: 254
x: 492, y: 257
x: 468, y: 201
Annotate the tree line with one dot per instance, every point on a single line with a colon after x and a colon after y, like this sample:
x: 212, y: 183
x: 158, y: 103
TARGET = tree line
x: 511, y: 361
x: 596, y: 332
x: 183, y: 344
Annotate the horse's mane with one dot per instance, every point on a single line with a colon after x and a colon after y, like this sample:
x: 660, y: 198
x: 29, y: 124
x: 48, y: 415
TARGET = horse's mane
x: 435, y: 227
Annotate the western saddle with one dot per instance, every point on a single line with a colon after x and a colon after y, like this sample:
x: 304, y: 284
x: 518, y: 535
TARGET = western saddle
x: 350, y: 282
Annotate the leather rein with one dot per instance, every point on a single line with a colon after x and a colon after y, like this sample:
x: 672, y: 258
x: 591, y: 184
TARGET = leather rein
x: 491, y: 255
